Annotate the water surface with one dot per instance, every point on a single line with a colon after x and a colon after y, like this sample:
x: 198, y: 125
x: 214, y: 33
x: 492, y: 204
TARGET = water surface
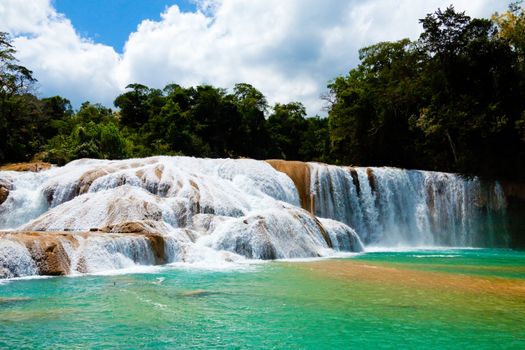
x: 454, y: 299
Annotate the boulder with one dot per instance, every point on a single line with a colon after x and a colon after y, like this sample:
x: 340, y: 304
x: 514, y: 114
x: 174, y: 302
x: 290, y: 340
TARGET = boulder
x: 4, y: 193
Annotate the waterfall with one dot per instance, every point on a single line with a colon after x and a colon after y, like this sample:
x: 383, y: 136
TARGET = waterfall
x: 393, y: 207
x: 93, y: 215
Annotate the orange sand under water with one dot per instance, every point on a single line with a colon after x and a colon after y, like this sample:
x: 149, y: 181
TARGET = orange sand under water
x: 400, y: 276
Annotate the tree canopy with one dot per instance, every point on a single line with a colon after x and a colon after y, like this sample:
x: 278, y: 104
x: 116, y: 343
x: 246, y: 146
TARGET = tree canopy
x: 452, y: 100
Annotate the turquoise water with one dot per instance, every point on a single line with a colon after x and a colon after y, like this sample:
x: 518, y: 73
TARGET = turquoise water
x: 485, y: 262
x: 454, y: 299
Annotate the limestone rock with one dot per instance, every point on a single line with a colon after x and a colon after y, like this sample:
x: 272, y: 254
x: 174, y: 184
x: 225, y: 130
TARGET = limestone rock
x: 152, y: 230
x: 33, y: 166
x: 47, y: 251
x: 299, y: 172
x: 4, y: 193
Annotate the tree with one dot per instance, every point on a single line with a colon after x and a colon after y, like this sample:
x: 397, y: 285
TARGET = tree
x: 287, y: 126
x: 475, y: 87
x: 133, y: 105
x: 370, y: 107
x: 20, y: 112
x: 350, y: 118
x: 444, y: 32
x: 252, y: 105
x: 14, y: 78
x: 511, y: 25
x: 452, y: 100
x: 88, y: 140
x: 315, y: 145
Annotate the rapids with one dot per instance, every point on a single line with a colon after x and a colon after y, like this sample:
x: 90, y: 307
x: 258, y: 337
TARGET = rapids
x: 93, y: 215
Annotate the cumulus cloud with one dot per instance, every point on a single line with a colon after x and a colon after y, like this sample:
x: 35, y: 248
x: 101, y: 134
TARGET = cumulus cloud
x: 25, y: 16
x: 287, y: 49
x: 63, y: 62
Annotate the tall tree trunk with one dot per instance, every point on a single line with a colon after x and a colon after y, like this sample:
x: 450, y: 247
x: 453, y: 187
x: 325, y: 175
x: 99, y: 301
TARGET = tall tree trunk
x: 452, y: 146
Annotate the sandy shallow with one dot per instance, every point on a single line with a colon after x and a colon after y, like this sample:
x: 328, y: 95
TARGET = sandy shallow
x: 398, y: 275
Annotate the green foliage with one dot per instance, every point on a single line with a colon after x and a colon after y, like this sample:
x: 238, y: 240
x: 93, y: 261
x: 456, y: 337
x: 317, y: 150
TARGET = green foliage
x: 19, y: 110
x: 511, y: 25
x: 202, y: 121
x: 91, y: 133
x: 452, y: 100
x: 14, y: 78
x: 134, y: 105
x: 19, y: 127
x: 287, y: 127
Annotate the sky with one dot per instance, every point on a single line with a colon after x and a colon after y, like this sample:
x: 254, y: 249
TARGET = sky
x: 288, y: 49
x: 119, y: 18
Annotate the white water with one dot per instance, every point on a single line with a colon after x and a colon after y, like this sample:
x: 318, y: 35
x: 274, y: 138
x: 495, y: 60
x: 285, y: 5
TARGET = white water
x: 223, y: 211
x: 410, y: 207
x: 15, y: 260
x: 207, y: 209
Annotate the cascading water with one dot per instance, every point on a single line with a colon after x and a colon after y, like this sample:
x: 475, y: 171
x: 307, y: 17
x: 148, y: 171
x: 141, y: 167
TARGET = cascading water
x: 393, y: 207
x: 93, y: 215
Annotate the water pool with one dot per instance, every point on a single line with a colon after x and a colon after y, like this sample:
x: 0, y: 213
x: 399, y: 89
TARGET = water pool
x: 444, y: 298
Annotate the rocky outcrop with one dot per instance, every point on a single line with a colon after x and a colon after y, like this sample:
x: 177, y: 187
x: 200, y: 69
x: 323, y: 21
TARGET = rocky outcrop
x: 111, y: 207
x: 33, y: 166
x: 149, y: 229
x: 46, y: 250
x: 82, y: 184
x: 4, y: 193
x: 63, y: 253
x: 5, y: 187
x: 371, y: 179
x: 299, y: 172
x: 515, y: 195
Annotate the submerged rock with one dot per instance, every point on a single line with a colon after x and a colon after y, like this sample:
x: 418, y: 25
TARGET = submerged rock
x: 514, y: 190
x: 11, y: 300
x: 199, y: 293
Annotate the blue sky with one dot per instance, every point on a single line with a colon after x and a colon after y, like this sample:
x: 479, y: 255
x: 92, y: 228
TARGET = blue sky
x: 90, y: 50
x: 111, y: 21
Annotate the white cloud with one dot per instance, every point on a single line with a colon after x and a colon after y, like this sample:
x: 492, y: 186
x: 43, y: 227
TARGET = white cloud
x: 25, y: 16
x: 287, y: 49
x: 62, y: 61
